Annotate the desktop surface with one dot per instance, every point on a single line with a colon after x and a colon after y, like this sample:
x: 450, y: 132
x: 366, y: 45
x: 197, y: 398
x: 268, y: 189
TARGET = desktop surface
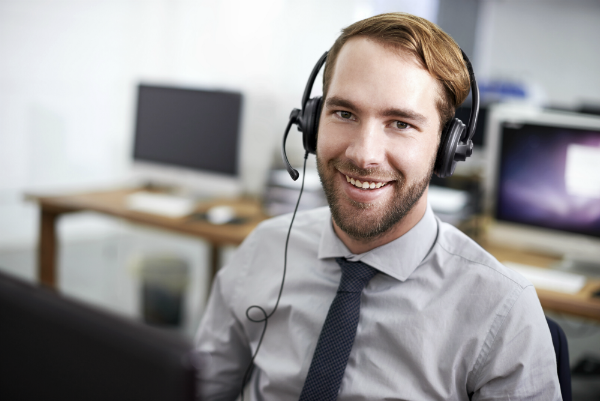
x: 583, y: 303
x: 114, y: 203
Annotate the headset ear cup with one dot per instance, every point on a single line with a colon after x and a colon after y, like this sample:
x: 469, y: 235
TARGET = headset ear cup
x: 445, y: 163
x: 310, y: 124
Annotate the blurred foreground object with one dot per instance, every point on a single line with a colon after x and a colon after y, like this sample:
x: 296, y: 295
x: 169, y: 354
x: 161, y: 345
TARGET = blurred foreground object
x: 53, y: 348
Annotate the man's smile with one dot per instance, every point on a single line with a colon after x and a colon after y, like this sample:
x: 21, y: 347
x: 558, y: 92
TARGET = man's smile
x: 365, y: 190
x: 365, y: 184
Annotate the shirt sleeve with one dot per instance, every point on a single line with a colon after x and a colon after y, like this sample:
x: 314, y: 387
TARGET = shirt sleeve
x: 520, y: 363
x: 221, y: 343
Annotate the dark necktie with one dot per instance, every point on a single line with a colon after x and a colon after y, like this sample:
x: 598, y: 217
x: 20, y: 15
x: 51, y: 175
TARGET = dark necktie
x: 337, y: 336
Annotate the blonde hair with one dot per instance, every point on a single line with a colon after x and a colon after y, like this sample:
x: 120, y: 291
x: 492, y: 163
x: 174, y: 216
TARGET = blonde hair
x: 434, y: 49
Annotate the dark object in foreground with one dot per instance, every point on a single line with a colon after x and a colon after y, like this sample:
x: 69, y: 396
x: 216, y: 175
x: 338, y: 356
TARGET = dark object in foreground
x: 55, y: 348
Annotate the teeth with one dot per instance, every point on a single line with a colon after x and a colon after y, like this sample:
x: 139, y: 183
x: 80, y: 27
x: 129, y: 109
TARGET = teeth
x: 365, y: 184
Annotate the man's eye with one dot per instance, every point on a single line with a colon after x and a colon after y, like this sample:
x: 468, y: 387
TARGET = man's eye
x: 345, y: 115
x: 401, y: 125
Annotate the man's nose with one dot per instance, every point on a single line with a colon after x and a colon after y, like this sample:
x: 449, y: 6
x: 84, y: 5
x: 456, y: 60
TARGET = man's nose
x: 367, y: 146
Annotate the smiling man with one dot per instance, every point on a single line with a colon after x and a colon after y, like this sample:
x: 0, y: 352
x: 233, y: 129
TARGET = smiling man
x: 381, y: 300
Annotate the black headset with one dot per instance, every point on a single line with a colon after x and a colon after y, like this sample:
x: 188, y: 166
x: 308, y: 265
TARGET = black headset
x: 455, y: 143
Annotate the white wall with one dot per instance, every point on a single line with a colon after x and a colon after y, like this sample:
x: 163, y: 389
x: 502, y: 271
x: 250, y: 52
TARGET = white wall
x: 551, y: 43
x: 68, y: 71
x: 69, y: 68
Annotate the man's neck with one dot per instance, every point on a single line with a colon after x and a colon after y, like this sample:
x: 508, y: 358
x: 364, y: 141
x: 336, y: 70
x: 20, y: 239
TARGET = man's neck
x: 402, y: 227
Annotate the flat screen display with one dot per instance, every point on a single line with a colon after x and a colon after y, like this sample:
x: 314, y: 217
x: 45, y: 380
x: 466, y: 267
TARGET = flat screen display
x: 549, y: 177
x: 196, y: 129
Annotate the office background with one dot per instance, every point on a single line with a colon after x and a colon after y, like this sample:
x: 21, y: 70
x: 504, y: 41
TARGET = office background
x: 69, y: 69
x: 68, y: 76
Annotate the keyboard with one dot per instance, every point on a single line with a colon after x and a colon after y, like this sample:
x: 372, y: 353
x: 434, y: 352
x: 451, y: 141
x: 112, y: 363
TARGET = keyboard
x: 549, y: 279
x: 160, y: 204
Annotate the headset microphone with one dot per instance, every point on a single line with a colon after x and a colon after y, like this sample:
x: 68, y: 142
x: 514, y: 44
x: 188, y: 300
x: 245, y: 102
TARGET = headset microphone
x: 306, y: 119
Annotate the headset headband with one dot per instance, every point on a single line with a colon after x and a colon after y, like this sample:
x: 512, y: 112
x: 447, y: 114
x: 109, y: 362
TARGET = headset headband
x: 474, y: 98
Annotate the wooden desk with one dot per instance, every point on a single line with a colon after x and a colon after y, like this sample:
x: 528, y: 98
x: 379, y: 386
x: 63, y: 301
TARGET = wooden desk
x: 113, y: 203
x: 581, y: 304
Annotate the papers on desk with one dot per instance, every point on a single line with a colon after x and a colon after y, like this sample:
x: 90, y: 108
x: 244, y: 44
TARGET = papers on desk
x: 450, y: 205
x: 549, y: 279
x: 160, y: 204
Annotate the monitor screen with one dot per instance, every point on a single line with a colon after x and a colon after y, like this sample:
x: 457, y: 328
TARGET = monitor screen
x: 55, y: 348
x: 195, y: 129
x: 549, y: 176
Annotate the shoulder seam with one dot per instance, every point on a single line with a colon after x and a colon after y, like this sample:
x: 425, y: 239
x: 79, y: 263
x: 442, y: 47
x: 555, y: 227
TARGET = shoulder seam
x: 482, y: 264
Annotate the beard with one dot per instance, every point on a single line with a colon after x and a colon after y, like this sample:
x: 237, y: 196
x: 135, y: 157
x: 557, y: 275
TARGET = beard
x: 368, y: 221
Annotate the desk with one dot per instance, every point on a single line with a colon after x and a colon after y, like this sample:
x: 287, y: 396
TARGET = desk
x: 113, y: 203
x: 581, y: 304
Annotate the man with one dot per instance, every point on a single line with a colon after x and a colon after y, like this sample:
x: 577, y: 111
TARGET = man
x: 439, y: 317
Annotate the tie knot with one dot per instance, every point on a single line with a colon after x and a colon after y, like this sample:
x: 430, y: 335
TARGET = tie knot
x: 355, y: 275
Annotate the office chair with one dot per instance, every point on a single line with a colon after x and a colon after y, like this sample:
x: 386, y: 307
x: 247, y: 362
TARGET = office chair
x: 561, y: 349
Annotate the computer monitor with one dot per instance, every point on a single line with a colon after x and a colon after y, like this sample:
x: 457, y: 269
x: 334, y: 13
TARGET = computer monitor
x: 56, y: 348
x: 543, y: 188
x: 188, y: 138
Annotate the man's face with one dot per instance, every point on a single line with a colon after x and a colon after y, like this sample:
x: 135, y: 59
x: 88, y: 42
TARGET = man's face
x: 379, y: 129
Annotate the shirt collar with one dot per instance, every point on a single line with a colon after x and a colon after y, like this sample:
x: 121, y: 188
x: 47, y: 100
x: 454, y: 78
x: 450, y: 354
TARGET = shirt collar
x: 398, y: 258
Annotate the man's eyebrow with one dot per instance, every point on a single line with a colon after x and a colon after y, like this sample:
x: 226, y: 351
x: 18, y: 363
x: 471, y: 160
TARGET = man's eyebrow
x: 418, y: 118
x: 336, y: 101
x: 408, y: 114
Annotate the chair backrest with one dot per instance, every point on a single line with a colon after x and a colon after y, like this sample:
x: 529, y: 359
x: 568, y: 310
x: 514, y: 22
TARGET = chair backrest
x: 561, y: 348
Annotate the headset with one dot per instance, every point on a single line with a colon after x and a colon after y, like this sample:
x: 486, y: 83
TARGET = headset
x: 455, y: 143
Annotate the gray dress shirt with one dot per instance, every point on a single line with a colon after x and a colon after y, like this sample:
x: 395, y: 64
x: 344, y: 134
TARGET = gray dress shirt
x: 443, y: 320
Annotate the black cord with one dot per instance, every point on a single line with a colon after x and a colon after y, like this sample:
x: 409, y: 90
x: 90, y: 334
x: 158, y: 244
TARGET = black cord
x: 266, y: 316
